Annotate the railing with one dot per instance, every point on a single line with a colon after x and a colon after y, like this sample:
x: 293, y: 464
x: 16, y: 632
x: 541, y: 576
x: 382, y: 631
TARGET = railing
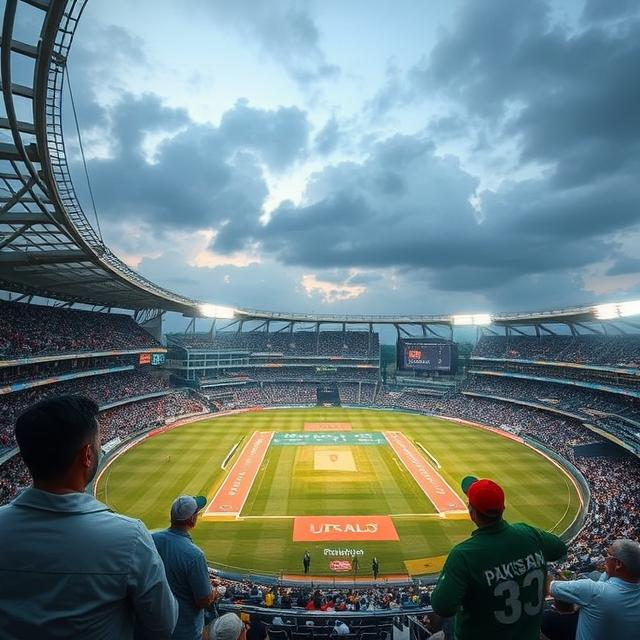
x: 57, y: 159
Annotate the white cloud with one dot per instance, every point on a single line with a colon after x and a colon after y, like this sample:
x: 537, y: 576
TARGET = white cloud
x: 330, y: 292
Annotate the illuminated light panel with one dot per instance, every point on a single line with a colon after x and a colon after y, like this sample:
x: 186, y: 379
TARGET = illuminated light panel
x: 631, y: 308
x: 606, y: 311
x: 476, y: 319
x: 216, y: 311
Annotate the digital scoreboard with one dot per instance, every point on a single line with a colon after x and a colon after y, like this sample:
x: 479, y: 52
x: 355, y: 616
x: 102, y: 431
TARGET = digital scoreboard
x: 151, y: 358
x: 423, y: 354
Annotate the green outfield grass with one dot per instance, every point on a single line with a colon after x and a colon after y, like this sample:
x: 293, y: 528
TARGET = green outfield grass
x: 143, y: 482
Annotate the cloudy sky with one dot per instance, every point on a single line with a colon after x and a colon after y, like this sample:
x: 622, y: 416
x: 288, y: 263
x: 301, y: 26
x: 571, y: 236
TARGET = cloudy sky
x: 370, y: 157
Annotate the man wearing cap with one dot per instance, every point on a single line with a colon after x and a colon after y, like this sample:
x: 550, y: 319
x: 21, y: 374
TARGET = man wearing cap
x: 609, y: 607
x: 493, y: 582
x: 229, y: 627
x: 186, y: 567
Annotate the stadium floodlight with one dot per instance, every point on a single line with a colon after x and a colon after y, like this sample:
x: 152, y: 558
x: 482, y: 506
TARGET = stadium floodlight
x: 216, y: 311
x: 474, y: 319
x: 631, y: 308
x: 606, y: 311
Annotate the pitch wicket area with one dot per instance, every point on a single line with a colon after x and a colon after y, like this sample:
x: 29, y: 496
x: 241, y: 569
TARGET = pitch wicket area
x: 234, y: 491
x: 435, y: 487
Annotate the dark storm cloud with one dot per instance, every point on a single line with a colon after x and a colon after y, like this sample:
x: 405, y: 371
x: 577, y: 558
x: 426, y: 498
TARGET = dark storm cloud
x: 284, y: 29
x: 100, y: 59
x: 327, y: 139
x: 405, y: 208
x: 595, y: 10
x: 279, y: 136
x: 569, y: 98
x: 625, y: 265
x: 202, y: 176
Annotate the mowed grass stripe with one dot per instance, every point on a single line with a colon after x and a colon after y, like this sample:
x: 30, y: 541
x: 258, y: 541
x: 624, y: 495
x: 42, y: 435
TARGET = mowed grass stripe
x: 141, y: 483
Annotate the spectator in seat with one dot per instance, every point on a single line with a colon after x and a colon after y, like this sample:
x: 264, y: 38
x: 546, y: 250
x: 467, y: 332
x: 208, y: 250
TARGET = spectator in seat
x: 609, y: 608
x: 186, y: 567
x: 494, y: 581
x: 340, y: 628
x: 69, y: 567
x: 228, y: 627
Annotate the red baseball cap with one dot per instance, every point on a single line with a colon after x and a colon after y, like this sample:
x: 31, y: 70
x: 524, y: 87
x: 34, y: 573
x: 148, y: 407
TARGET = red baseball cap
x: 484, y: 495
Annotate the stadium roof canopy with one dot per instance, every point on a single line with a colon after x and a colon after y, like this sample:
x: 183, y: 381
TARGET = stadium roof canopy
x: 47, y: 246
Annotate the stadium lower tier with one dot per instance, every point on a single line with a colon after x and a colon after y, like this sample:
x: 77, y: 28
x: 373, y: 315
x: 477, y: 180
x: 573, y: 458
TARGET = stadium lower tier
x: 614, y: 481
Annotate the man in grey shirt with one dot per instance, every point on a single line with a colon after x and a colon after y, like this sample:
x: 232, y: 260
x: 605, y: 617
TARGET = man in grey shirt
x: 69, y: 567
x: 186, y: 567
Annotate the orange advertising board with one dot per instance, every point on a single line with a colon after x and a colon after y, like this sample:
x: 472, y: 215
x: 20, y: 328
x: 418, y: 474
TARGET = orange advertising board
x: 343, y: 528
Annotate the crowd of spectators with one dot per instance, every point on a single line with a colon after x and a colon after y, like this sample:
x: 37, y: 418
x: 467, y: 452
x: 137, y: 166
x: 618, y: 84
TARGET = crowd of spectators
x: 28, y: 330
x: 615, y: 413
x: 298, y: 374
x: 329, y: 598
x: 614, y: 379
x: 272, y: 394
x: 583, y: 349
x: 346, y: 344
x: 53, y: 368
x: 104, y: 389
x: 13, y: 477
x: 120, y: 421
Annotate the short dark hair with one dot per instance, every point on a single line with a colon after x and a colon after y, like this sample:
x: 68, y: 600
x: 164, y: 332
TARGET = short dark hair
x: 51, y: 432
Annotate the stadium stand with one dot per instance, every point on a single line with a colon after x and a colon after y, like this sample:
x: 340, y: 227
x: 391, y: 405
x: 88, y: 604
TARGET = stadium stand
x: 118, y: 422
x: 347, y: 344
x: 30, y: 330
x: 583, y: 349
x: 104, y: 389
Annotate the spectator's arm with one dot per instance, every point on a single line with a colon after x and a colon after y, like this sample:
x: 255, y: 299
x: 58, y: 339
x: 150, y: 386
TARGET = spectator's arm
x: 155, y: 607
x: 203, y: 594
x: 451, y: 586
x: 552, y: 546
x: 579, y: 592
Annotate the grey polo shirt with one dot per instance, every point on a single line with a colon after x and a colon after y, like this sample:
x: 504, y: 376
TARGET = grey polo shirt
x: 70, y: 568
x: 188, y: 577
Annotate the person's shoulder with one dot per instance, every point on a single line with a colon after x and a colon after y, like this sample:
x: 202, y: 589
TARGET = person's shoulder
x: 528, y: 529
x: 118, y: 524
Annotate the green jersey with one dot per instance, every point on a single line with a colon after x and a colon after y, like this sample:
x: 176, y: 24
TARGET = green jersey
x: 494, y: 582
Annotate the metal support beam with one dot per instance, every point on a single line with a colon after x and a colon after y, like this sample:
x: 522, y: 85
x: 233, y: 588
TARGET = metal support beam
x: 38, y: 4
x: 23, y: 48
x: 25, y: 218
x: 14, y: 236
x: 25, y: 258
x: 9, y: 151
x: 17, y: 196
x: 23, y: 127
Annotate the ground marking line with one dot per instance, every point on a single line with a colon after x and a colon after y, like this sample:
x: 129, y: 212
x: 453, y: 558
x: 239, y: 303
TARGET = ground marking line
x: 437, y: 464
x: 228, y: 456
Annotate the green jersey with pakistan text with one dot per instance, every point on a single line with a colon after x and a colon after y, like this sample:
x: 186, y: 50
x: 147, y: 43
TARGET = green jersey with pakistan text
x: 494, y: 582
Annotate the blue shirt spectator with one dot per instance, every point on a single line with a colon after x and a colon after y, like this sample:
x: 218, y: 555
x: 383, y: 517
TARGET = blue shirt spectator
x: 610, y: 607
x: 186, y: 567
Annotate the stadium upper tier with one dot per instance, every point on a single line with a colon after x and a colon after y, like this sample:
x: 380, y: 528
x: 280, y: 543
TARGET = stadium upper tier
x: 585, y: 349
x: 346, y: 344
x: 28, y: 330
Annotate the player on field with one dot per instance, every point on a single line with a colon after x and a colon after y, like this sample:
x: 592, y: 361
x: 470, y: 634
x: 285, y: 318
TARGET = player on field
x: 494, y: 581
